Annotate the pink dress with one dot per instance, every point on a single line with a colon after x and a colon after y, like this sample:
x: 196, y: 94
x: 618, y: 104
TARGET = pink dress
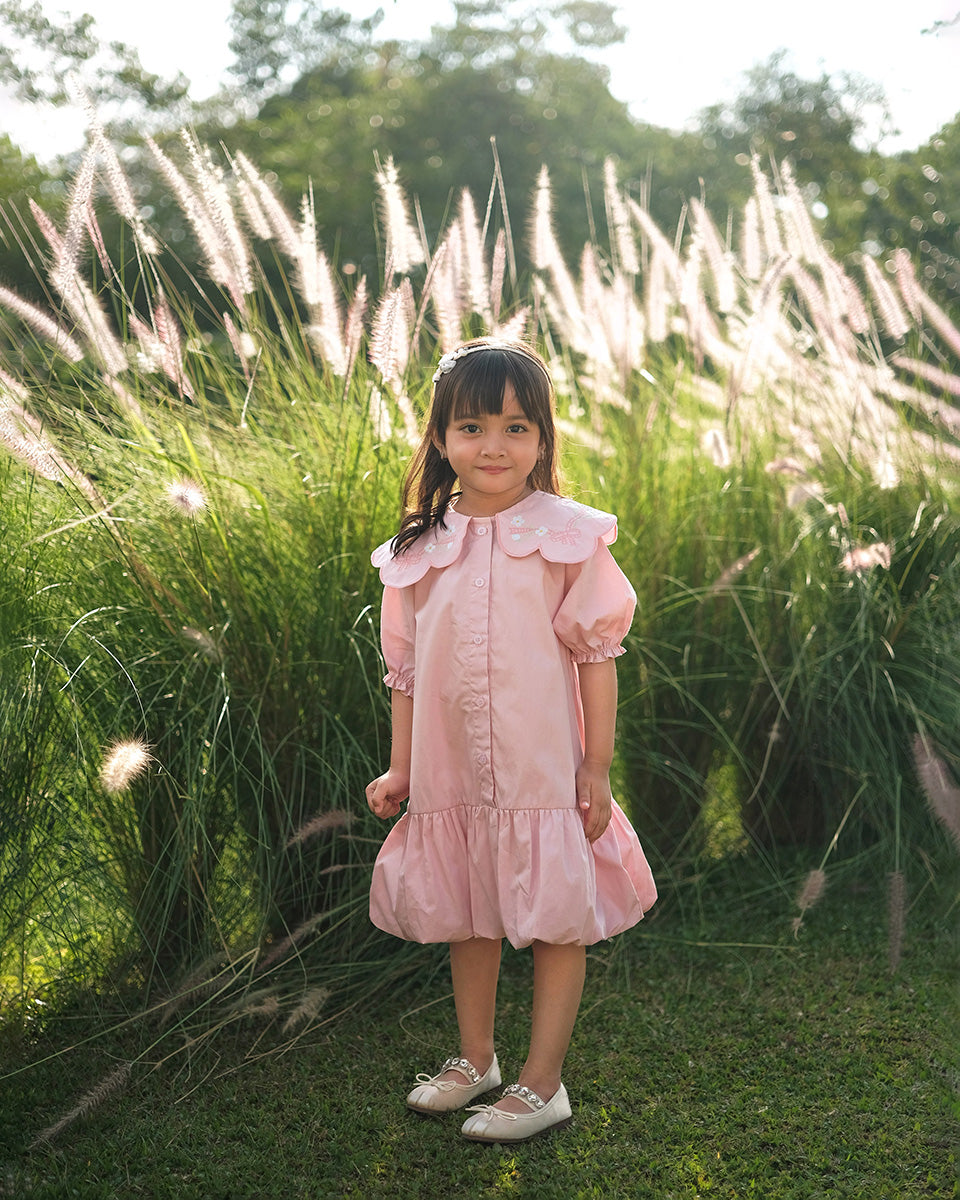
x: 483, y: 623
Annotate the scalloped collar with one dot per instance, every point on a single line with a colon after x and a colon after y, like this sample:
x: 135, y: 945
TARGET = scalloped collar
x: 561, y: 530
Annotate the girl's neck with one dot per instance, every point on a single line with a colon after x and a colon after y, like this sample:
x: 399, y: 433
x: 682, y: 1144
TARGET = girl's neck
x: 483, y: 506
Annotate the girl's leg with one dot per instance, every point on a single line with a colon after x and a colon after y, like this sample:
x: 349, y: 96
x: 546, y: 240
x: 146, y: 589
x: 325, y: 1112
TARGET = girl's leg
x: 558, y: 975
x: 475, y: 968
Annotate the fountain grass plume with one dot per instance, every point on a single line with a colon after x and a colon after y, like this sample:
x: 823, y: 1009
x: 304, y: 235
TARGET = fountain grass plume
x: 389, y: 349
x: 896, y: 918
x: 320, y: 823
x: 814, y: 885
x: 656, y: 298
x: 864, y: 558
x: 186, y: 497
x: 23, y: 436
x: 253, y: 209
x: 264, y: 1003
x: 942, y: 793
x: 442, y: 288
x: 801, y: 237
x: 659, y: 244
x: 42, y: 324
x: 907, y: 282
x: 48, y: 229
x: 719, y: 259
x: 941, y: 323
x: 66, y: 247
x: 473, y: 272
x: 766, y: 211
x: 858, y: 317
x: 325, y: 330
x: 120, y: 192
x: 403, y: 250
x: 542, y: 241
x: 561, y: 298
x: 622, y: 243
x: 76, y: 295
x: 892, y: 318
x: 353, y: 327
x: 218, y: 205
x: 204, y: 225
x: 292, y: 941
x: 112, y: 1083
x: 269, y: 211
x: 243, y: 344
x: 751, y: 251
x: 944, y: 381
x: 124, y: 762
x: 161, y: 345
x: 732, y: 574
x: 308, y: 1008
x: 497, y: 272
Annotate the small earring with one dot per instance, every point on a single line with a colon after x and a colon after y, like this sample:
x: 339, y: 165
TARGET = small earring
x: 443, y: 455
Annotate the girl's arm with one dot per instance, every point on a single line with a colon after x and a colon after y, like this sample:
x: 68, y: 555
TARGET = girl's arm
x: 598, y: 691
x: 388, y: 791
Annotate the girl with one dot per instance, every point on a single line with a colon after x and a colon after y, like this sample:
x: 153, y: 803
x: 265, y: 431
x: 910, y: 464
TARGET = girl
x: 503, y: 612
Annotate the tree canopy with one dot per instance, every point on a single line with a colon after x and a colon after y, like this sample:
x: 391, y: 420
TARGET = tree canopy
x: 317, y: 99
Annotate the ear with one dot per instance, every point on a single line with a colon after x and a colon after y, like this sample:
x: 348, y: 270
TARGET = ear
x: 435, y: 438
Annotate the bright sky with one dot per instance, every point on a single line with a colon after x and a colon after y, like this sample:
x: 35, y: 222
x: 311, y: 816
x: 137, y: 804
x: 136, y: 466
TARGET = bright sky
x: 677, y: 59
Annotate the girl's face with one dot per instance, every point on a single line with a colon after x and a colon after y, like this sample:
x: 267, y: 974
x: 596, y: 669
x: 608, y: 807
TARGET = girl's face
x: 492, y: 455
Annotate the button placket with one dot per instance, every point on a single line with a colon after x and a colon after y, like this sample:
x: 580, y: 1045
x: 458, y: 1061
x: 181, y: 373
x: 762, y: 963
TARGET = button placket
x: 477, y: 706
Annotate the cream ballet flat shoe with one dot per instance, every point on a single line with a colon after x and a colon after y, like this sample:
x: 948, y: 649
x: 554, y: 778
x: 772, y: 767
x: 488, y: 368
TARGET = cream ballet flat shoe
x: 490, y: 1124
x: 436, y: 1095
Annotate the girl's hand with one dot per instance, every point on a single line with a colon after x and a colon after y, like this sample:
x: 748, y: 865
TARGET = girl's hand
x: 594, y: 798
x: 387, y: 792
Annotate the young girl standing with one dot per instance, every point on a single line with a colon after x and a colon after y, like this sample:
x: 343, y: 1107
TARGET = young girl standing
x: 503, y: 612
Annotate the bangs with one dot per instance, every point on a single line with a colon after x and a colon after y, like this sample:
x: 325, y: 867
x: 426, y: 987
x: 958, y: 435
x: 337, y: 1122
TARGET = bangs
x: 481, y: 383
x: 481, y: 389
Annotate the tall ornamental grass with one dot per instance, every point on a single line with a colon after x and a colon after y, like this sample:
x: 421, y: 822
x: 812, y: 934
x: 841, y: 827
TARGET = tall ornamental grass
x: 793, y: 647
x: 188, y: 621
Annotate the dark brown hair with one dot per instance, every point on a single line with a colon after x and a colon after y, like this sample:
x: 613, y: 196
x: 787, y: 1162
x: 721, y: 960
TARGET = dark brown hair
x: 473, y: 385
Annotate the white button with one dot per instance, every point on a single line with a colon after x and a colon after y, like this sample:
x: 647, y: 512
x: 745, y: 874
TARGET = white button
x: 482, y: 760
x: 481, y: 529
x: 478, y: 640
x: 479, y: 702
x: 479, y: 582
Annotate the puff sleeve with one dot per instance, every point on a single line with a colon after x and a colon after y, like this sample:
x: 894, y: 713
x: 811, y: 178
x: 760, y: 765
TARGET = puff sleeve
x: 397, y: 638
x: 597, y: 608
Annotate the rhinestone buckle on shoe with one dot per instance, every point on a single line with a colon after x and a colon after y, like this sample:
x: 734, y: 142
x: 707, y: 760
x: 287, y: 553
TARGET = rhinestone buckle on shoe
x: 524, y: 1093
x: 461, y: 1064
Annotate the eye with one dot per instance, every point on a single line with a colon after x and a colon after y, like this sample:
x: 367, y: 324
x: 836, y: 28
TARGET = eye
x: 518, y: 427
x: 469, y: 427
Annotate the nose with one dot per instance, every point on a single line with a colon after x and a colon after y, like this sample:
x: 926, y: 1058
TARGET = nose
x: 493, y: 446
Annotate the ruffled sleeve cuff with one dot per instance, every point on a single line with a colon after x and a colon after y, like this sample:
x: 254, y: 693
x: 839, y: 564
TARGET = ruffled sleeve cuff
x: 400, y: 681
x: 596, y: 612
x: 599, y: 654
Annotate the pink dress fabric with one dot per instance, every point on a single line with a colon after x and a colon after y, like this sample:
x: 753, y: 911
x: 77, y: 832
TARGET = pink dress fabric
x: 484, y: 621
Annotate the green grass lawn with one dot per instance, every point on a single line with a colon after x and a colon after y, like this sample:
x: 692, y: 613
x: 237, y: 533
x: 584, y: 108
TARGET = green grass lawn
x: 716, y: 1055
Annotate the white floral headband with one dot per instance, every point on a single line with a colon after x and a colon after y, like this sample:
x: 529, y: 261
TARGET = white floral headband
x: 449, y: 361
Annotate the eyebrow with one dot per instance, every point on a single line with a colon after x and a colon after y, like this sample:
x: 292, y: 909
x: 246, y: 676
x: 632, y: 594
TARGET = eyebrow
x: 515, y: 415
